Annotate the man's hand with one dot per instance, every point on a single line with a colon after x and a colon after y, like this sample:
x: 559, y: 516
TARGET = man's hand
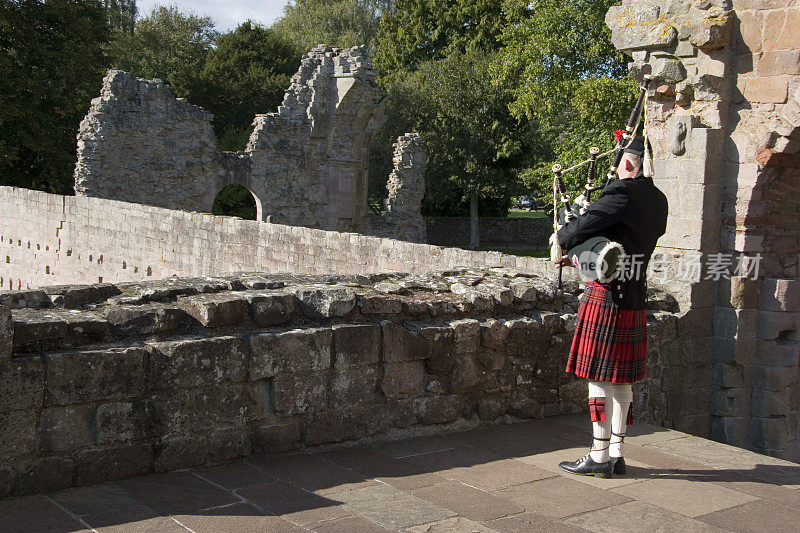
x: 565, y: 261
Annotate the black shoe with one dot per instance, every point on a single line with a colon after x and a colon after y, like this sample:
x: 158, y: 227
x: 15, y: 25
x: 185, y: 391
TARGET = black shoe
x: 618, y: 466
x: 586, y: 466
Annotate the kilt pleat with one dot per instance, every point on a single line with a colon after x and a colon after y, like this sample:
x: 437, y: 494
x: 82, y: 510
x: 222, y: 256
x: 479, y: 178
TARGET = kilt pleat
x: 610, y: 342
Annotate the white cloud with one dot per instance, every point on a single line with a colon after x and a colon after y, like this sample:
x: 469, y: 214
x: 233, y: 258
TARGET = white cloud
x: 227, y: 14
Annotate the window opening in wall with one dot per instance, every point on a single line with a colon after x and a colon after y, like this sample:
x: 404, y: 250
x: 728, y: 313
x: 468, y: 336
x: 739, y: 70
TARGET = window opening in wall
x: 149, y: 271
x: 237, y: 201
x: 124, y: 265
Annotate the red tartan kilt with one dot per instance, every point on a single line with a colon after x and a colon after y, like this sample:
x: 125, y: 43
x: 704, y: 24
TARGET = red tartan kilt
x: 610, y: 342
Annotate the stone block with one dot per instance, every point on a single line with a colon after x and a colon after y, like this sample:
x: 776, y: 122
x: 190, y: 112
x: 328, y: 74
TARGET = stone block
x: 197, y: 362
x: 77, y: 296
x: 400, y: 344
x: 780, y: 295
x: 18, y: 434
x: 6, y: 333
x: 467, y: 335
x: 379, y: 305
x: 63, y: 429
x: 32, y: 329
x: 777, y: 353
x: 174, y: 453
x: 770, y: 403
x: 668, y: 70
x: 148, y: 319
x: 334, y: 426
x: 750, y: 29
x: 46, y: 474
x: 526, y: 338
x: 299, y: 393
x: 356, y: 345
x: 80, y: 377
x: 115, y: 423
x: 293, y: 351
x: 465, y: 374
x: 217, y: 310
x: 99, y: 466
x: 401, y: 379
x: 769, y: 432
x: 225, y: 444
x: 438, y: 409
x: 767, y: 90
x: 277, y: 437
x: 771, y: 378
x: 326, y: 302
x: 355, y: 385
x: 23, y: 383
x: 638, y: 27
x: 272, y: 308
x: 34, y: 299
x: 494, y: 334
x: 441, y: 355
x: 774, y: 325
x: 779, y: 62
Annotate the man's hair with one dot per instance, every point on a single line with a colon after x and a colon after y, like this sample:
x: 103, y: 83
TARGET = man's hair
x: 635, y: 158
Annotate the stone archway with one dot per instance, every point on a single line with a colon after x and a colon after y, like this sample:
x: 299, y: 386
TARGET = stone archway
x: 238, y: 200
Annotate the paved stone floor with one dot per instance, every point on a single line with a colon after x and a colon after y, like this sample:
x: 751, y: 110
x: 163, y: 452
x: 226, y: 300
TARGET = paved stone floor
x: 503, y: 479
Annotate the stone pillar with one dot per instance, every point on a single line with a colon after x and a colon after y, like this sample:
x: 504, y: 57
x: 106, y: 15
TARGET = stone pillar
x: 725, y: 129
x: 406, y: 187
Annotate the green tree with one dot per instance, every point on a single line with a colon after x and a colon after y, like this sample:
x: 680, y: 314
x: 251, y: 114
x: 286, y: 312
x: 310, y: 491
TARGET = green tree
x: 121, y: 15
x: 247, y: 73
x: 168, y: 45
x: 562, y: 69
x: 475, y: 148
x: 52, y: 62
x: 414, y: 31
x: 341, y: 23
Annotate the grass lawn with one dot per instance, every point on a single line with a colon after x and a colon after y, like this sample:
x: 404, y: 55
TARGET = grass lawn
x: 522, y: 213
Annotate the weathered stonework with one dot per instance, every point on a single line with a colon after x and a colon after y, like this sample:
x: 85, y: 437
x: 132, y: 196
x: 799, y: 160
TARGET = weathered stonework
x: 725, y: 130
x: 306, y: 164
x: 184, y: 372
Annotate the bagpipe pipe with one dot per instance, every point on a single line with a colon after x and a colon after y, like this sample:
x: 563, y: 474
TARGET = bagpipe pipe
x: 597, y: 258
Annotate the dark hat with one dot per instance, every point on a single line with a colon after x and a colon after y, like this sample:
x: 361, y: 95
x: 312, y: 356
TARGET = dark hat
x: 636, y: 146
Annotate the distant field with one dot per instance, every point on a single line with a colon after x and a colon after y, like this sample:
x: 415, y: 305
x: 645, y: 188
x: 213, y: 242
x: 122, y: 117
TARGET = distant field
x: 521, y: 213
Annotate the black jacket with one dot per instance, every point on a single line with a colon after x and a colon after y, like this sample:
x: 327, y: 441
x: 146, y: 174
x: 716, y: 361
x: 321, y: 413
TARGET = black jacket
x: 632, y: 212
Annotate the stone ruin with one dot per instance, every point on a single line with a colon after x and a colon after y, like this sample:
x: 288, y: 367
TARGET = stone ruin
x: 113, y: 380
x: 306, y: 164
x: 724, y: 114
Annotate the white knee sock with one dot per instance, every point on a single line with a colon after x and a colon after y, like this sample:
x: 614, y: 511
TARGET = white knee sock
x: 600, y: 429
x: 621, y: 398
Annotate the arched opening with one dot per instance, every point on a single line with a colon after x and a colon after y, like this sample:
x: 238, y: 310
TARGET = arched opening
x: 237, y: 201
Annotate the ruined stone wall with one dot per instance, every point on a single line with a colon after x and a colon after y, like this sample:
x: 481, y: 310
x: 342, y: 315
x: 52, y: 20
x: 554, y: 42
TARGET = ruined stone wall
x: 400, y: 217
x: 306, y: 164
x: 108, y: 381
x: 724, y: 121
x: 48, y: 239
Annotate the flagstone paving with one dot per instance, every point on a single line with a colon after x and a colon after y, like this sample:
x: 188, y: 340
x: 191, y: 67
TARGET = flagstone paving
x: 496, y: 479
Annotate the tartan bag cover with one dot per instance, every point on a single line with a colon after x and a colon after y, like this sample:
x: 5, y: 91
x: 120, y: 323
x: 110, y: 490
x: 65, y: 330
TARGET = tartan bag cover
x: 610, y: 342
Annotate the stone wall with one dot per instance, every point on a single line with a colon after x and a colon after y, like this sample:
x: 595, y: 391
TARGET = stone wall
x: 47, y: 239
x: 108, y: 381
x: 724, y: 124
x: 495, y: 232
x: 306, y: 164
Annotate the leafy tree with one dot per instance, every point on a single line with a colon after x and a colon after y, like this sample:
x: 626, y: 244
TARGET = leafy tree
x: 121, y: 15
x: 474, y: 147
x: 558, y: 60
x: 247, y: 73
x: 52, y: 62
x: 414, y: 31
x: 341, y: 23
x: 168, y: 45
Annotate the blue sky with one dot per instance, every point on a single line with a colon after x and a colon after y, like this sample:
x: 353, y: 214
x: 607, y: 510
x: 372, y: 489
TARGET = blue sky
x: 227, y: 14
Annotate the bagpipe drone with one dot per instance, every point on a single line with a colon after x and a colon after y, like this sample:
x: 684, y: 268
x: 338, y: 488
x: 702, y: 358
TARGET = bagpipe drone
x: 597, y: 258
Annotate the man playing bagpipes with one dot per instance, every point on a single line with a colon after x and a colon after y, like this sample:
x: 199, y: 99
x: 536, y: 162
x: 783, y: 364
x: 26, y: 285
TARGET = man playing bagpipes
x: 610, y: 342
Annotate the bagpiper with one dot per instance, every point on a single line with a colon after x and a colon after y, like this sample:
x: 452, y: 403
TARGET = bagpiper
x: 610, y: 343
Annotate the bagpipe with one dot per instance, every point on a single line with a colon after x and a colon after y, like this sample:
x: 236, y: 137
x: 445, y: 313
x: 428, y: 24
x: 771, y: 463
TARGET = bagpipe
x: 597, y: 258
